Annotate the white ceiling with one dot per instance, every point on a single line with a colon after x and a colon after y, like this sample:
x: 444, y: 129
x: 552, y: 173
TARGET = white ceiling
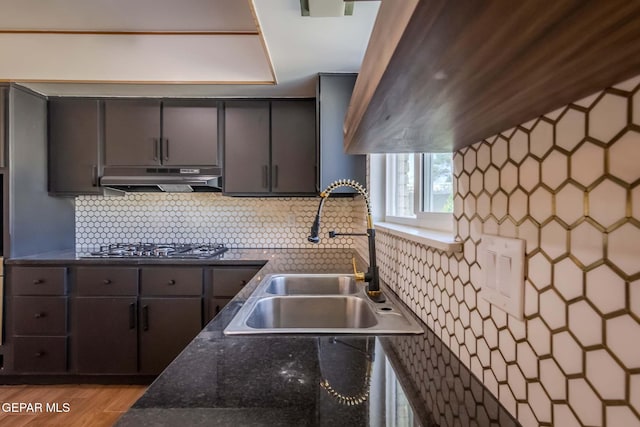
x: 110, y: 47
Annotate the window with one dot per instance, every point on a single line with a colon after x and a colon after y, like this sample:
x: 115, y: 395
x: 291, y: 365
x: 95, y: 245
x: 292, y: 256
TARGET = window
x: 419, y: 189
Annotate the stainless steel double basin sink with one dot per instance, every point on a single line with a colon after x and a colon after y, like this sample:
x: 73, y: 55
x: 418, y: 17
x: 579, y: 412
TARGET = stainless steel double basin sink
x: 318, y: 304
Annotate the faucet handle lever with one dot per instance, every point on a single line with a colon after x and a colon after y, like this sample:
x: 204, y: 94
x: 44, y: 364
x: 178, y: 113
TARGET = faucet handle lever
x: 359, y: 275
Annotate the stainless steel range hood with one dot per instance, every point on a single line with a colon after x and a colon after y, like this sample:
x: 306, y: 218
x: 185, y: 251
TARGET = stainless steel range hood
x: 154, y: 179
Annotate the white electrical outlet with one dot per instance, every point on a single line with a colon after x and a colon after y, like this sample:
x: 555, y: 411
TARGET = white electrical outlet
x: 502, y: 263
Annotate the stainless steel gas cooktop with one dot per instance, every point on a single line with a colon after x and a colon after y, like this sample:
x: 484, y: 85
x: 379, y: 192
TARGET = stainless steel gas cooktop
x: 159, y: 250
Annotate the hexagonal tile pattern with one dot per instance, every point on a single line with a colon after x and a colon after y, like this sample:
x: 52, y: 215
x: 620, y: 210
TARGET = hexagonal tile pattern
x: 567, y: 352
x: 552, y: 379
x: 529, y: 173
x: 605, y: 375
x: 607, y: 203
x: 570, y: 129
x: 570, y: 203
x: 623, y: 333
x: 587, y: 164
x: 469, y: 160
x: 555, y: 169
x: 634, y: 391
x: 624, y: 247
x: 585, y: 323
x: 499, y: 152
x: 585, y: 402
x: 568, y: 279
x: 518, y: 205
x: 491, y: 180
x: 586, y: 243
x: 518, y: 146
x: 483, y: 156
x: 540, y: 205
x: 509, y: 177
x: 527, y: 360
x: 499, y: 205
x: 540, y: 402
x: 621, y: 416
x: 553, y: 239
x: 634, y: 297
x: 539, y: 271
x: 622, y: 155
x: 605, y: 289
x: 539, y: 336
x: 553, y: 309
x: 541, y: 139
x: 636, y: 108
x: 562, y: 416
x: 607, y: 117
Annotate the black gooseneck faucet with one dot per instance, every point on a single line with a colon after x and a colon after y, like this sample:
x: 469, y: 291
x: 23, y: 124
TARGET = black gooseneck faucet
x: 372, y: 276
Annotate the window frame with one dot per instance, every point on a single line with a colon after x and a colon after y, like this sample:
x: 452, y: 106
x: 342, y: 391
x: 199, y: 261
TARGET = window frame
x: 439, y: 221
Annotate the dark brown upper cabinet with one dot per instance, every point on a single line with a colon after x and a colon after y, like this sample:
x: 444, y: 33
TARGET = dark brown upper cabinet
x: 74, y: 146
x: 333, y: 96
x: 155, y: 133
x: 270, y: 147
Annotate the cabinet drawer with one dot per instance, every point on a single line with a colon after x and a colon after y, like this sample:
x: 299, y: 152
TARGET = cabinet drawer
x: 40, y: 315
x: 40, y: 354
x: 228, y: 281
x: 106, y: 281
x: 171, y: 281
x: 37, y: 280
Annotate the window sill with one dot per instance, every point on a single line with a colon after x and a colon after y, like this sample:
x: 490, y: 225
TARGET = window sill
x: 440, y: 240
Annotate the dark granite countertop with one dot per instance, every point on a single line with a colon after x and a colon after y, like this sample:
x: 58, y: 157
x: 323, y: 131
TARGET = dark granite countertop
x: 313, y: 380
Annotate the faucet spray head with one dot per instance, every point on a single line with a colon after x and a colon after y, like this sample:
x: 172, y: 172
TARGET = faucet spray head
x: 315, y: 231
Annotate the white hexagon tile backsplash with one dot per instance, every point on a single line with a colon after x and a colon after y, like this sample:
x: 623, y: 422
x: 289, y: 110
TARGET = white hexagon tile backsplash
x: 210, y: 217
x: 568, y: 183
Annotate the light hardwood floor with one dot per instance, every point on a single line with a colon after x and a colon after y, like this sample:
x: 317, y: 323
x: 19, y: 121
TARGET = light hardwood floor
x: 90, y: 405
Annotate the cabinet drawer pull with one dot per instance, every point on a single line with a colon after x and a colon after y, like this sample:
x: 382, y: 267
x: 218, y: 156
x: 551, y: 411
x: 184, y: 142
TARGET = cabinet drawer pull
x: 94, y: 175
x: 107, y: 281
x: 145, y: 318
x: 166, y: 149
x: 156, y: 150
x: 38, y: 281
x: 40, y: 354
x: 172, y: 282
x: 132, y: 315
x: 275, y: 176
x: 40, y: 315
x: 243, y: 282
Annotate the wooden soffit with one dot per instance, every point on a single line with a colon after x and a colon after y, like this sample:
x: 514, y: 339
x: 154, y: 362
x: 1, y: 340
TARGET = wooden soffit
x: 443, y: 74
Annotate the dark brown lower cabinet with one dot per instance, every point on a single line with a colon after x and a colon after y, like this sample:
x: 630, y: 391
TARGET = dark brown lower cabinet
x: 40, y: 354
x: 105, y: 335
x: 167, y: 325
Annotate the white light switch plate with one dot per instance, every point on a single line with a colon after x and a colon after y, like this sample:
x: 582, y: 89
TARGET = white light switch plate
x: 502, y: 263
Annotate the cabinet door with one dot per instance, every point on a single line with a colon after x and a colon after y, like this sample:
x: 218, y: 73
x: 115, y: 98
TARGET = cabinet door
x: 246, y: 147
x: 167, y: 326
x: 293, y: 146
x: 334, y: 95
x: 74, y: 136
x: 190, y: 134
x: 132, y: 132
x: 105, y: 335
x: 215, y: 306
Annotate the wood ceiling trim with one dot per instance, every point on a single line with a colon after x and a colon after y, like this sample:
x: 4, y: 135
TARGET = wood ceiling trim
x: 265, y: 48
x: 129, y: 33
x: 143, y: 82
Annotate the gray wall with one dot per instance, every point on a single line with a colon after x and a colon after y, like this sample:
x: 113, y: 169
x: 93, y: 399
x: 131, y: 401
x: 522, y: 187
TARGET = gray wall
x: 37, y: 222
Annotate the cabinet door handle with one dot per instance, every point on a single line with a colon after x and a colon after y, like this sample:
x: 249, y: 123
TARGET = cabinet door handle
x: 39, y: 315
x: 94, y: 175
x: 39, y: 354
x: 156, y: 150
x: 172, y: 282
x: 243, y: 282
x: 132, y: 315
x: 145, y: 318
x: 107, y: 281
x: 265, y: 176
x: 275, y: 176
x: 217, y: 308
x: 38, y: 281
x: 166, y: 149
